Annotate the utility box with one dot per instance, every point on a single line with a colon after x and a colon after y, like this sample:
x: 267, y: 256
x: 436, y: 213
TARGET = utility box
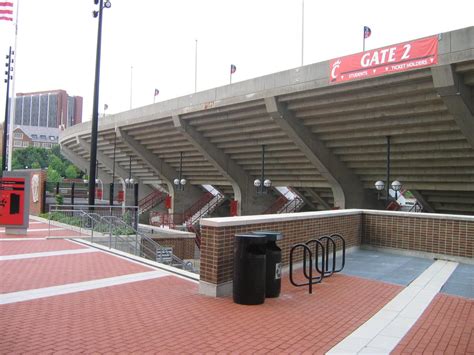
x: 15, y: 202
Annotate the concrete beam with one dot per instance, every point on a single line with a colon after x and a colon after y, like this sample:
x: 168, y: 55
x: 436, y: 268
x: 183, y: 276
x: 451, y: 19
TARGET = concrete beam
x: 347, y: 189
x: 241, y: 181
x: 164, y: 171
x: 105, y: 160
x: 315, y: 196
x: 457, y: 96
x: 420, y: 198
x: 84, y: 164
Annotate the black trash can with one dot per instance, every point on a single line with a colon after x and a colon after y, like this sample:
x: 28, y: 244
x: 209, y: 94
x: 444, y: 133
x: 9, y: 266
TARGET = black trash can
x: 249, y: 269
x: 273, y: 263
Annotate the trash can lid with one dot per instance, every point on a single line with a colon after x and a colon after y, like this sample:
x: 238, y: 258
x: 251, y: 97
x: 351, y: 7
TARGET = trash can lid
x: 270, y: 235
x: 251, y: 238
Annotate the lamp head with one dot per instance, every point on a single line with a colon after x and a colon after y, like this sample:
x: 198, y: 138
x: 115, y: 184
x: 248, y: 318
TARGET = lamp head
x: 379, y: 185
x: 183, y: 182
x: 396, y: 185
x: 108, y: 4
x: 176, y: 182
x: 267, y: 183
x: 257, y: 183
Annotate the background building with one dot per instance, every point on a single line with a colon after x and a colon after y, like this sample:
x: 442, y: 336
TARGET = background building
x: 39, y: 116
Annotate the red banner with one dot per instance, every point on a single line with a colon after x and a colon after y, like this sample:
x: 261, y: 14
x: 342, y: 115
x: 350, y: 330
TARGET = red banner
x: 392, y: 59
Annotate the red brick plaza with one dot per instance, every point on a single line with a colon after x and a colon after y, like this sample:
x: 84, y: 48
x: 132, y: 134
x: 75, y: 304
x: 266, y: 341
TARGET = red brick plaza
x: 60, y: 296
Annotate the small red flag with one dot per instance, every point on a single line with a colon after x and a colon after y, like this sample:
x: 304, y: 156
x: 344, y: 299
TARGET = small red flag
x: 233, y: 68
x: 157, y: 92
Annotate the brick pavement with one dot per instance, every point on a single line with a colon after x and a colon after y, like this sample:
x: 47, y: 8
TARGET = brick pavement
x: 447, y: 327
x: 36, y: 246
x: 28, y: 274
x: 167, y: 315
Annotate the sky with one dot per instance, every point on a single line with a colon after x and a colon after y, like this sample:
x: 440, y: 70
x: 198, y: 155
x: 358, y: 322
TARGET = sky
x: 57, y: 39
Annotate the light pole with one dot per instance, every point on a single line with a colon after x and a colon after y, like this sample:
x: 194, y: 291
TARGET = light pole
x: 8, y: 71
x: 262, y: 184
x: 129, y: 181
x: 180, y: 181
x: 95, y: 106
x: 395, y: 185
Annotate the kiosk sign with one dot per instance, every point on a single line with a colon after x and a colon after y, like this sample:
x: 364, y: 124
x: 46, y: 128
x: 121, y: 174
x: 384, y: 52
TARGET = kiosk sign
x: 12, y: 200
x: 397, y: 58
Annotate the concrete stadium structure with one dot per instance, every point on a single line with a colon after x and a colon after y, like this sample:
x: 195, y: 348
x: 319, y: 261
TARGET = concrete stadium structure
x: 328, y: 141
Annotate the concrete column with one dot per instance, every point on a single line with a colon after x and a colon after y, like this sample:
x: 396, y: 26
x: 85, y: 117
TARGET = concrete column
x: 458, y: 98
x: 242, y: 183
x: 181, y: 201
x: 348, y: 190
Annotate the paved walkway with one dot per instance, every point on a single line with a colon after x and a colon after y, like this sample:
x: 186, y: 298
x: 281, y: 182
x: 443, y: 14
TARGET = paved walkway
x: 60, y: 296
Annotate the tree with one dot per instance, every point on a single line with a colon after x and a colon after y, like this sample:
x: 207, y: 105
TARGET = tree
x: 71, y: 172
x: 57, y: 164
x: 53, y: 176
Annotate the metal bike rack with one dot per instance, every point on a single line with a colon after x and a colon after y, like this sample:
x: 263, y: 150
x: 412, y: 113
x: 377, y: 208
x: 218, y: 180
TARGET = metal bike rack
x: 343, y: 242
x: 322, y: 246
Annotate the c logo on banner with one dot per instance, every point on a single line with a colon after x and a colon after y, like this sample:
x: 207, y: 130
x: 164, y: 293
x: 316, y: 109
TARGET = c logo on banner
x: 335, y: 66
x: 35, y: 187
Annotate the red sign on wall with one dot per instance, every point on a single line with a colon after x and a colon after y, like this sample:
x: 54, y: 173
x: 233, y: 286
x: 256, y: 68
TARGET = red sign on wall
x: 12, y: 203
x: 168, y: 202
x: 397, y: 58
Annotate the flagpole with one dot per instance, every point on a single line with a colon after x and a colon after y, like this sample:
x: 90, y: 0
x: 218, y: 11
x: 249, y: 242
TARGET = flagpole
x: 13, y: 99
x: 302, y: 31
x: 363, y: 41
x: 131, y: 85
x: 195, y: 66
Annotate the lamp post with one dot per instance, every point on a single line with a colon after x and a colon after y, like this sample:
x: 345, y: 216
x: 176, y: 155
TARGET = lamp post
x: 129, y: 181
x: 263, y: 184
x: 95, y: 106
x: 179, y: 182
x: 395, y: 185
x: 8, y: 71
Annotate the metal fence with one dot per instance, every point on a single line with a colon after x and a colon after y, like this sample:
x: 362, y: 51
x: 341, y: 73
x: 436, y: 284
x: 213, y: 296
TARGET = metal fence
x: 115, y: 227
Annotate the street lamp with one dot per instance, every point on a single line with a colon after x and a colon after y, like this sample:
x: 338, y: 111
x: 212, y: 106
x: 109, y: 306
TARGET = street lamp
x: 129, y: 181
x: 262, y: 184
x: 95, y: 106
x: 395, y: 185
x: 180, y: 181
x: 8, y: 74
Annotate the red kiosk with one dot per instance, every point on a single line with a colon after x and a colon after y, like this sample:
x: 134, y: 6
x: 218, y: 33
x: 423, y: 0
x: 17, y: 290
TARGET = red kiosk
x: 15, y: 202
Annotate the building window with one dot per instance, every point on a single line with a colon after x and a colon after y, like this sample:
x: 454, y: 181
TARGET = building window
x: 18, y: 143
x: 43, y: 137
x: 34, y: 136
x: 18, y: 135
x: 47, y: 145
x: 37, y: 144
x: 26, y: 144
x: 52, y: 138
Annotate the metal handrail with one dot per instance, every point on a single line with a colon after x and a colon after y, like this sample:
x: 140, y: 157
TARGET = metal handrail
x: 175, y: 260
x: 110, y: 226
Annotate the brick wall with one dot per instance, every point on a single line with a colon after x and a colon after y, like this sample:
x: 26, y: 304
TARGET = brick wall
x: 218, y: 242
x: 183, y: 248
x: 431, y: 233
x: 420, y: 232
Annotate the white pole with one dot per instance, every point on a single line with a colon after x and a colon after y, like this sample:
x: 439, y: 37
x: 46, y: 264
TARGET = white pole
x: 196, y: 66
x: 13, y: 99
x: 302, y: 31
x: 131, y: 86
